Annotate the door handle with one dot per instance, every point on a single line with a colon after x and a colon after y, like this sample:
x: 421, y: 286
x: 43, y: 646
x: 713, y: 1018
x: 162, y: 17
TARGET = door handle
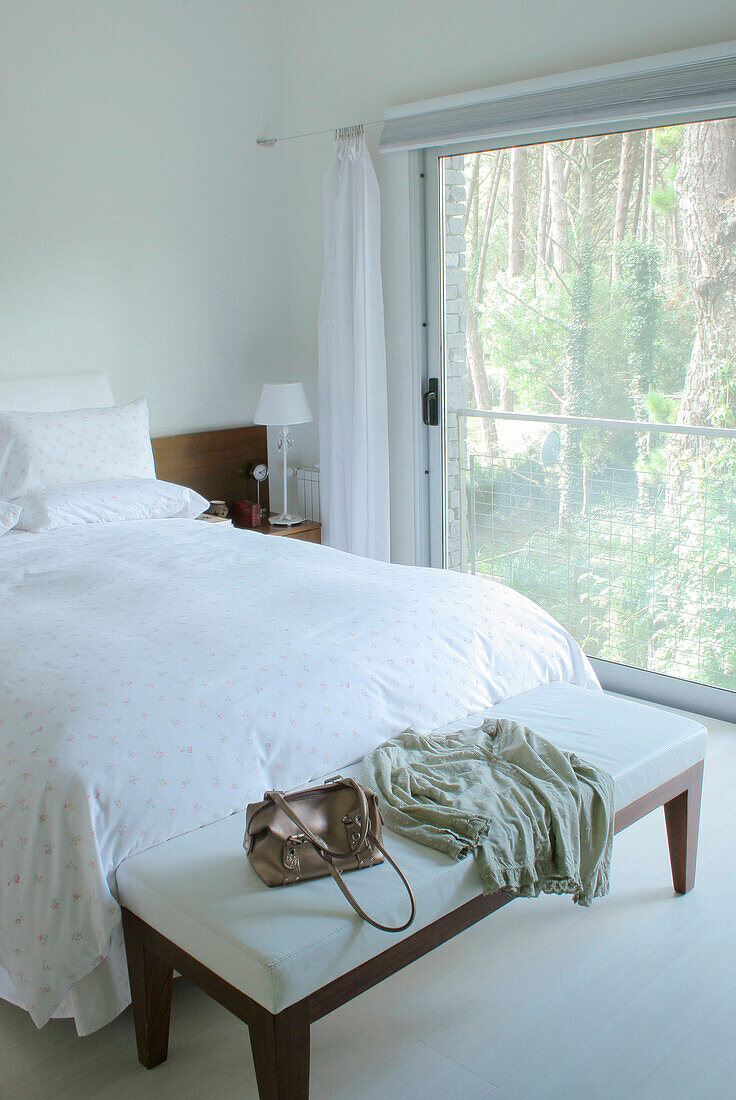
x: 431, y: 404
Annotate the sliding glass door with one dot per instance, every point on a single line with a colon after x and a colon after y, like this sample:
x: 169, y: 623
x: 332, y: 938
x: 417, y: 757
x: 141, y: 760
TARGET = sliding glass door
x: 584, y: 297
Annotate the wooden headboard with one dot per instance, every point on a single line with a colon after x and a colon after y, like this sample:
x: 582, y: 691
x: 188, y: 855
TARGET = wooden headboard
x: 216, y: 463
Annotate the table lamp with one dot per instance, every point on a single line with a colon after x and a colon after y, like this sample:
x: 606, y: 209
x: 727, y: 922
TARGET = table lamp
x: 282, y: 404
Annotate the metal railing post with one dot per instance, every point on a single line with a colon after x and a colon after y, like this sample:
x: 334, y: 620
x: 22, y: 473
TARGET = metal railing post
x: 472, y: 514
x: 462, y: 429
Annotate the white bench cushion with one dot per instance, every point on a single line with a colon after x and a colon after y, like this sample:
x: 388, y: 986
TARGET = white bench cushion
x: 278, y: 945
x: 639, y: 745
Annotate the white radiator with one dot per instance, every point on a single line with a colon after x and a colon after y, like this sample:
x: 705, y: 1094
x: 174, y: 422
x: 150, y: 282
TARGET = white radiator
x: 307, y: 480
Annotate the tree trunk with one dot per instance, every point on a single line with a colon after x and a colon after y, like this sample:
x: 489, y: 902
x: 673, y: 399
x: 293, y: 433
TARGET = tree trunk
x: 567, y: 163
x: 640, y: 290
x: 640, y: 183
x: 623, y: 198
x: 487, y: 223
x: 517, y: 173
x: 471, y: 203
x: 643, y: 199
x: 569, y: 160
x: 652, y: 210
x: 558, y: 209
x: 587, y: 189
x: 706, y: 190
x: 507, y: 395
x: 479, y: 377
x: 476, y: 354
x: 677, y: 248
x: 705, y: 185
x: 575, y: 368
x: 543, y: 216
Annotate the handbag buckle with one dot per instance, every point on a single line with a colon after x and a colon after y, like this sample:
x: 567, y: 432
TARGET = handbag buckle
x: 290, y: 854
x: 353, y: 828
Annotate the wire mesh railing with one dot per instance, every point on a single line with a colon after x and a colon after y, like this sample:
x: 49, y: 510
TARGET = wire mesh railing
x: 624, y: 531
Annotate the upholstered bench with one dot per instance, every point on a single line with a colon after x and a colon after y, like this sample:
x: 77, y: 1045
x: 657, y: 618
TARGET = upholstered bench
x: 280, y: 959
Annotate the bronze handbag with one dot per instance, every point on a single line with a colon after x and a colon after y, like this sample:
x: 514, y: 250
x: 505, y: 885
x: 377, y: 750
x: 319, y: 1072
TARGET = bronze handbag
x: 338, y: 828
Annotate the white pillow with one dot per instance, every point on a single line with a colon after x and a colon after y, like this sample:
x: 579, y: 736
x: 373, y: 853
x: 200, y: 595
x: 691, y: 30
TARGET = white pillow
x: 9, y: 514
x: 108, y: 502
x: 42, y: 449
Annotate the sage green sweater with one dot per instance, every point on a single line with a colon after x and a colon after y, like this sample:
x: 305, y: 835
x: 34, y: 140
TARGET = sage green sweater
x: 536, y: 819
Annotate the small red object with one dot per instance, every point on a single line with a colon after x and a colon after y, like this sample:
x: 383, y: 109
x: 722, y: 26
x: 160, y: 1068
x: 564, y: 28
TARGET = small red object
x: 246, y: 514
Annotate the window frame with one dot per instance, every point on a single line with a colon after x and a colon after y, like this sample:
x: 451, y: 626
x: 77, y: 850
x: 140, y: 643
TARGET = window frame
x: 654, y: 687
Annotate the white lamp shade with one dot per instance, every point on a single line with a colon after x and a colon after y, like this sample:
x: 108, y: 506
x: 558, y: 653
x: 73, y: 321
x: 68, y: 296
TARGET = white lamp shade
x: 282, y: 403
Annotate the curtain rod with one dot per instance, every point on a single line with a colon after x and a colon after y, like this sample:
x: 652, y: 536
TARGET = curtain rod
x: 267, y: 143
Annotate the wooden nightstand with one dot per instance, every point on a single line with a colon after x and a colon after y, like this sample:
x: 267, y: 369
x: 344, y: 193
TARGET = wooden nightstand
x: 308, y: 531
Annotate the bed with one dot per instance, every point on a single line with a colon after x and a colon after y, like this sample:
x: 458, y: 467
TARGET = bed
x: 157, y: 675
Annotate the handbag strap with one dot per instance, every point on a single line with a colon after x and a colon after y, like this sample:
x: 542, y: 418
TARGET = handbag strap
x: 358, y: 909
x: 283, y: 805
x: 328, y: 855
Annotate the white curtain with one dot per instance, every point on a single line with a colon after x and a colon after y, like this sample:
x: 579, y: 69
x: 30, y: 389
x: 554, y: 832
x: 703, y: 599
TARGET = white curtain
x: 353, y: 416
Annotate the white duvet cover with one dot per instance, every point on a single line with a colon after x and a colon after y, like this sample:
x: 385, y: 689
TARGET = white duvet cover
x: 158, y: 675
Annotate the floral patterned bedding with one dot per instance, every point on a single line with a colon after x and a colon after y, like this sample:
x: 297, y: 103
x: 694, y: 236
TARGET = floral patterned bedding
x: 158, y: 675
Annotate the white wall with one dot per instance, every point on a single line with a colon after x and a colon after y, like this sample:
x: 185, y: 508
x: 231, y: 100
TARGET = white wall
x: 142, y: 233
x: 346, y: 60
x: 140, y: 228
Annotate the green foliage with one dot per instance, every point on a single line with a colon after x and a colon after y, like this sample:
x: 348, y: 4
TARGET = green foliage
x: 524, y: 335
x: 664, y: 198
x: 641, y: 297
x: 668, y: 139
x: 641, y: 326
x: 651, y: 468
x: 662, y: 407
x: 640, y: 572
x: 646, y: 586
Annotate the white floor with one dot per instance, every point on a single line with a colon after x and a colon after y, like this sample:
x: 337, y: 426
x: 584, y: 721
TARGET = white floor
x: 635, y: 997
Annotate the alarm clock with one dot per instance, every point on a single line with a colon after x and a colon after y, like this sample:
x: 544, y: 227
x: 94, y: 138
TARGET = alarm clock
x: 259, y: 473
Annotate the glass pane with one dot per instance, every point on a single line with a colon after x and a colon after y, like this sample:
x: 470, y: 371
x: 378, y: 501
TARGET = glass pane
x: 595, y: 279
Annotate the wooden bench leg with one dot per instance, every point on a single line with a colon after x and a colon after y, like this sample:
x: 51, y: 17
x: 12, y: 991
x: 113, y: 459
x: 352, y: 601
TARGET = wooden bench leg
x: 682, y: 815
x: 151, y: 981
x: 280, y: 1046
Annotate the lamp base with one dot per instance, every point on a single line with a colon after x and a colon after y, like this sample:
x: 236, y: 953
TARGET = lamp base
x: 285, y: 520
